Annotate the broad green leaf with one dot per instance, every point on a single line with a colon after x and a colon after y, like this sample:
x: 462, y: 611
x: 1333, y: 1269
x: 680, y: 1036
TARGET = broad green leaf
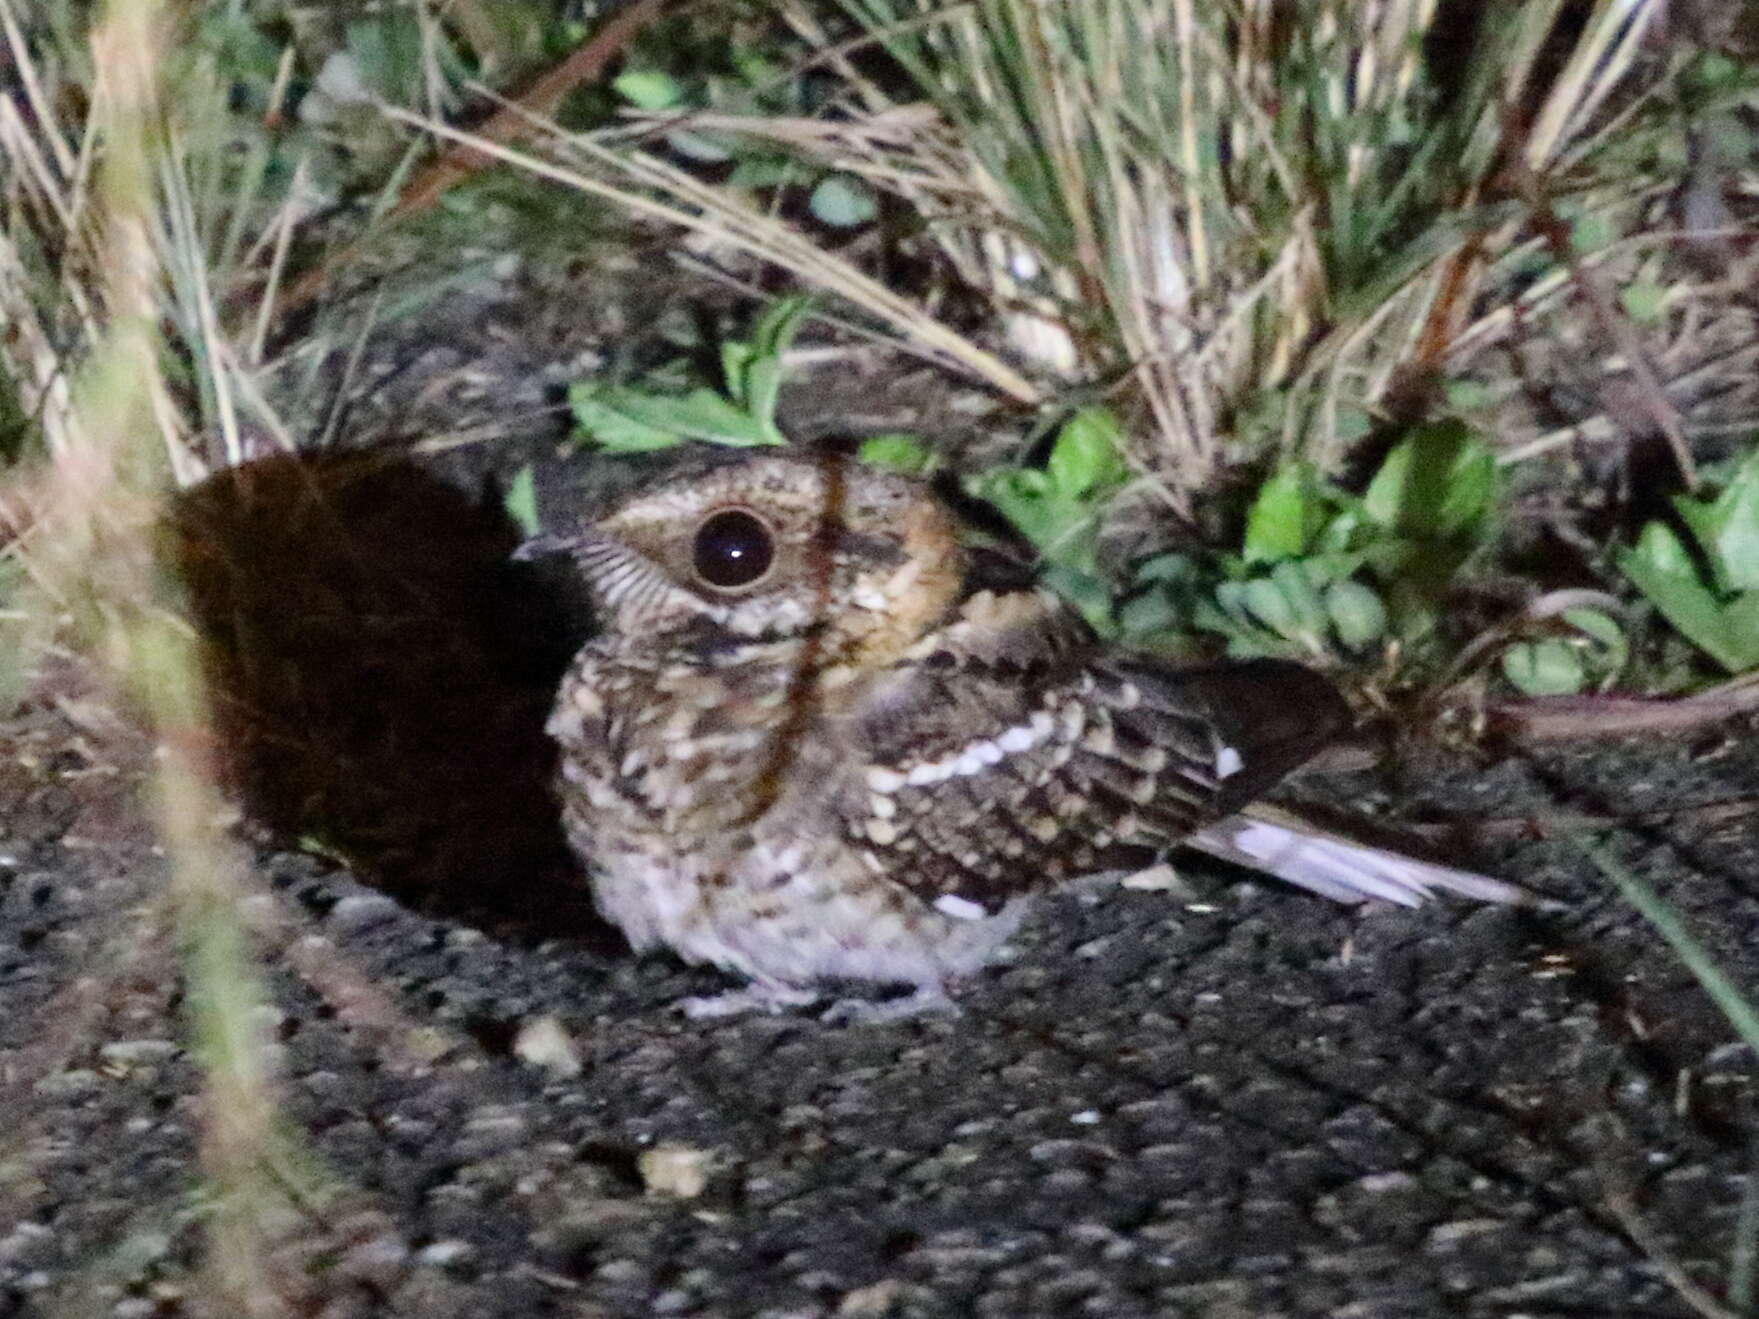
x: 1735, y: 547
x: 1149, y: 612
x: 520, y: 501
x: 1027, y: 498
x: 1662, y: 550
x: 1087, y: 593
x: 1544, y: 668
x: 1614, y: 651
x: 1357, y: 614
x: 1601, y: 627
x: 898, y: 453
x: 1325, y: 568
x: 1659, y: 568
x: 629, y: 420
x: 388, y: 54
x: 763, y: 172
x: 1231, y: 598
x: 1590, y: 233
x: 843, y: 202
x: 1269, y: 605
x: 736, y: 358
x: 1437, y: 484
x: 1644, y: 301
x: 1741, y: 624
x: 704, y: 148
x: 1299, y: 589
x: 1227, y: 618
x: 610, y: 428
x: 648, y: 89
x: 702, y: 414
x: 1172, y: 567
x: 1351, y: 424
x: 1277, y: 525
x: 1084, y: 460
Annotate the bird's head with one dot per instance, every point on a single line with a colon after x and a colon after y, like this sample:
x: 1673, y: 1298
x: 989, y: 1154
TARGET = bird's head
x: 772, y: 547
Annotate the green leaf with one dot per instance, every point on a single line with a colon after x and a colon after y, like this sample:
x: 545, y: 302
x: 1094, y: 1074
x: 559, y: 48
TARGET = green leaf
x: 1351, y: 424
x: 1611, y: 651
x: 704, y: 148
x: 1172, y: 567
x: 1644, y: 302
x: 762, y: 172
x: 1277, y: 525
x: 603, y: 423
x: 898, y: 453
x: 1601, y: 627
x: 843, y: 202
x: 1590, y: 233
x: 1268, y: 604
x: 1741, y: 625
x: 1086, y: 592
x: 1660, y: 568
x: 1357, y: 614
x: 629, y: 421
x: 1544, y: 668
x: 763, y: 385
x: 1437, y: 484
x: 1301, y: 591
x: 520, y: 501
x: 1148, y: 613
x: 1735, y: 545
x: 1084, y: 460
x: 648, y: 89
x: 388, y: 54
x: 1467, y: 395
x: 703, y: 414
x: 774, y: 332
x: 1662, y: 550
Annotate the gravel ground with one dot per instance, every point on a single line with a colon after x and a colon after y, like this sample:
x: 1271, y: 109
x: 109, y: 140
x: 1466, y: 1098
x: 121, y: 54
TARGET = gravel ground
x: 1220, y: 1099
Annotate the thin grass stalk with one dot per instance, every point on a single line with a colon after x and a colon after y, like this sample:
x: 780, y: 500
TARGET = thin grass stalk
x: 104, y: 492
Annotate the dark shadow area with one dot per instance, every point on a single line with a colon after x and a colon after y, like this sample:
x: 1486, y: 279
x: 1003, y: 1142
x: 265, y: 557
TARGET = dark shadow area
x: 382, y: 673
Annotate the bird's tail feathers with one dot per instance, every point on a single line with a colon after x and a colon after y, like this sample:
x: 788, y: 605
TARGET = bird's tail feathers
x: 1333, y: 865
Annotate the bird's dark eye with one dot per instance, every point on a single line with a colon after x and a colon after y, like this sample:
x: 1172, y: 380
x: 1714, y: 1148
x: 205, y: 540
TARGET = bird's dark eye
x: 733, y: 549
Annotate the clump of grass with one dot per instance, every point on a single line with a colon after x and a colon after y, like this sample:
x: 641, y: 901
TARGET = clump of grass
x: 1261, y: 224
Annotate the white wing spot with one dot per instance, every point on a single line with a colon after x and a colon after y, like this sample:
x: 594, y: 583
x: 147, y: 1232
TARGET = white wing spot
x: 881, y: 779
x: 960, y: 909
x: 1228, y: 762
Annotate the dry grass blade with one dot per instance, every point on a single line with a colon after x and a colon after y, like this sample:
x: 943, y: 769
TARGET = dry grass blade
x: 113, y: 434
x: 655, y: 190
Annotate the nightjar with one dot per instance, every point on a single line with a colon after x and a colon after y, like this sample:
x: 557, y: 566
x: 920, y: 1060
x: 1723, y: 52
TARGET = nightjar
x: 821, y: 738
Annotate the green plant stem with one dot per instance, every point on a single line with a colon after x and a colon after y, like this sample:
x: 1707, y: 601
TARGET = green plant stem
x: 1735, y: 1006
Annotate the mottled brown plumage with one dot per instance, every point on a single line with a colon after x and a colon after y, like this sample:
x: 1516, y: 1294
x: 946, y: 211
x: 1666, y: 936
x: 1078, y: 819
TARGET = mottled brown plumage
x: 812, y: 744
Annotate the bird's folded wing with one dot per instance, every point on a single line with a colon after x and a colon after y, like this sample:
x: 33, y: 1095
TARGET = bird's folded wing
x: 1011, y: 753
